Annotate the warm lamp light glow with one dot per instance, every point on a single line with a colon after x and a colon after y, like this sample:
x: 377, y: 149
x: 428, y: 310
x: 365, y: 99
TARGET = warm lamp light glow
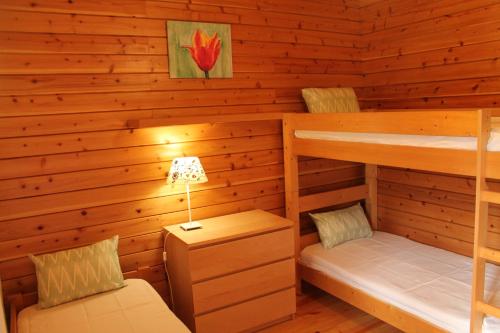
x: 187, y: 170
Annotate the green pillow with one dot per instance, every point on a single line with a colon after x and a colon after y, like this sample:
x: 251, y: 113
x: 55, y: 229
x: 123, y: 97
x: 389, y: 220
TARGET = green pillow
x: 323, y: 100
x: 72, y: 274
x: 339, y: 226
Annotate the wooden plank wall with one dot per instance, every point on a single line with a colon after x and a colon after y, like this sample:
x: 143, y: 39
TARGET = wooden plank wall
x: 425, y: 54
x: 432, y: 54
x: 73, y: 72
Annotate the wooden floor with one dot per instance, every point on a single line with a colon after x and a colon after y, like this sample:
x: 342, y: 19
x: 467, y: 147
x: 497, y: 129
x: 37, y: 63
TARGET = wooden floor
x: 318, y: 312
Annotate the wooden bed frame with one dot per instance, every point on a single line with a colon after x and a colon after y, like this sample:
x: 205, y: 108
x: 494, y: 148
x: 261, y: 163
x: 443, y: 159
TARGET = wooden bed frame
x: 480, y: 163
x: 17, y: 302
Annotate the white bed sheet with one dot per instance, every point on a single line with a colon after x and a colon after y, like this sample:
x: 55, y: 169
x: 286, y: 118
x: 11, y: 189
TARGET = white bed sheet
x: 136, y: 308
x: 450, y: 142
x: 428, y: 282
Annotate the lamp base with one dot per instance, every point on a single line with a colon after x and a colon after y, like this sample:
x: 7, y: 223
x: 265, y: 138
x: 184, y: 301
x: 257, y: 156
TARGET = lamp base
x: 191, y: 226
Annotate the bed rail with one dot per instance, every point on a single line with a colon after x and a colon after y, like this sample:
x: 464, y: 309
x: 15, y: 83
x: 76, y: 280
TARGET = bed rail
x: 337, y: 197
x: 443, y: 123
x: 331, y: 198
x: 432, y: 123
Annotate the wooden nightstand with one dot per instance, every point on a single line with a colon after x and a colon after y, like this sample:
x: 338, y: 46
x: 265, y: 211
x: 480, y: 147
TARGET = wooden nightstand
x: 235, y: 274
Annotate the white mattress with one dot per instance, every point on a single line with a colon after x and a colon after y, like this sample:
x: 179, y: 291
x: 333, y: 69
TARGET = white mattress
x: 429, y: 282
x: 136, y: 308
x: 450, y: 142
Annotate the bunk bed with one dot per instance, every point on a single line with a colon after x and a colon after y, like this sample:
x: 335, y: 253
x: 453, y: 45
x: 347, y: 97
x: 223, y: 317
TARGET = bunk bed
x: 460, y: 142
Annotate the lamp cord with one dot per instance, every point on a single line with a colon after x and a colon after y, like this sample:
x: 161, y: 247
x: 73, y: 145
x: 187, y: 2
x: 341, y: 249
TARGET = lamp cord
x: 166, y: 270
x: 189, y: 202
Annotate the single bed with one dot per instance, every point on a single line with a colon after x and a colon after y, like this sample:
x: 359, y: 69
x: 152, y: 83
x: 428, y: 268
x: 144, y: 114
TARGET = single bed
x: 136, y: 308
x: 425, y: 281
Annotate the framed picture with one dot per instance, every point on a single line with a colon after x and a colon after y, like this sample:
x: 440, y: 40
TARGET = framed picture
x: 199, y: 50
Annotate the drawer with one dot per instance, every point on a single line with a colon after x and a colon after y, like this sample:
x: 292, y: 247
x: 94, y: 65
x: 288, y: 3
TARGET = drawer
x: 248, y: 315
x: 236, y: 288
x: 239, y: 255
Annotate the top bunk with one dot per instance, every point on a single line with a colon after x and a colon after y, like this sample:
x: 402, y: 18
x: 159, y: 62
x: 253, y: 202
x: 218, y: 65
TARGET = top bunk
x: 434, y: 140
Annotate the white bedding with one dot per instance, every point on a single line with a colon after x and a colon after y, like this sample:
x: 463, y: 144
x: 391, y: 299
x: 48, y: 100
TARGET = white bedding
x: 429, y: 282
x: 450, y: 142
x: 136, y: 308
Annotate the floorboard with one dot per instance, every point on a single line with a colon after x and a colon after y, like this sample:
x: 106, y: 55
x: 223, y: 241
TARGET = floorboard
x: 319, y: 312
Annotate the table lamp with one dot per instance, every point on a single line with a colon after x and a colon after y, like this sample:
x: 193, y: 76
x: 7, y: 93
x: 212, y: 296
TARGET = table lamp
x: 187, y: 170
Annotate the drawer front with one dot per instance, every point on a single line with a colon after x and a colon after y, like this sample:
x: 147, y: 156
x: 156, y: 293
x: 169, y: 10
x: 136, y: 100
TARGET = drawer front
x: 236, y: 288
x: 239, y: 255
x: 245, y: 316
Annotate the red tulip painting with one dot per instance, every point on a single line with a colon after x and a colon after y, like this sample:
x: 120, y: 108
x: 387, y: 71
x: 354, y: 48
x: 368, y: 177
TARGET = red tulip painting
x: 205, y: 50
x: 199, y: 50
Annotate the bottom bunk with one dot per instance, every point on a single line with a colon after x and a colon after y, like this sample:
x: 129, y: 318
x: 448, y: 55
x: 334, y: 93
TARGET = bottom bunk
x: 413, y: 286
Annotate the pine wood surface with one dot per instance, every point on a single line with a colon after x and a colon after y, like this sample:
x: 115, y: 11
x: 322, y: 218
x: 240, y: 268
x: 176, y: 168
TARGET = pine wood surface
x: 429, y: 54
x: 440, y: 122
x: 320, y: 312
x: 219, y: 228
x: 212, y: 294
x: 72, y: 74
x: 235, y: 274
x: 480, y: 229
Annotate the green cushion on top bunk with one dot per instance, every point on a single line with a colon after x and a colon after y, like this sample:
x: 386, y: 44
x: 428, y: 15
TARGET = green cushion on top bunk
x: 339, y: 226
x: 323, y: 100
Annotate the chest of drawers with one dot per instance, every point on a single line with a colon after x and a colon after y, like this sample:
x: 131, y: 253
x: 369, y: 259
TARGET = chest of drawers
x: 235, y: 274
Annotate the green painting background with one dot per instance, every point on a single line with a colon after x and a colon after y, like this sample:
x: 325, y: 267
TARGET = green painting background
x: 182, y: 65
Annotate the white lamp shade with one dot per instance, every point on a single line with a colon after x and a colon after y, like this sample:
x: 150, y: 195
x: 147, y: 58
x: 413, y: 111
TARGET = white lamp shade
x: 186, y: 170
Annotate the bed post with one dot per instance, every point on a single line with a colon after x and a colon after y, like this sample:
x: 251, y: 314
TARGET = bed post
x: 371, y: 174
x: 480, y: 224
x: 292, y: 188
x: 16, y: 304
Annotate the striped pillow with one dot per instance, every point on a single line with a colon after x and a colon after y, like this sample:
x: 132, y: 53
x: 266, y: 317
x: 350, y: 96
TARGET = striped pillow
x: 72, y: 274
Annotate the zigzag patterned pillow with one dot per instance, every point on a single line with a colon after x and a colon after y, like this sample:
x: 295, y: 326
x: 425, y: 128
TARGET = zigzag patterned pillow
x: 72, y: 274
x: 339, y: 226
